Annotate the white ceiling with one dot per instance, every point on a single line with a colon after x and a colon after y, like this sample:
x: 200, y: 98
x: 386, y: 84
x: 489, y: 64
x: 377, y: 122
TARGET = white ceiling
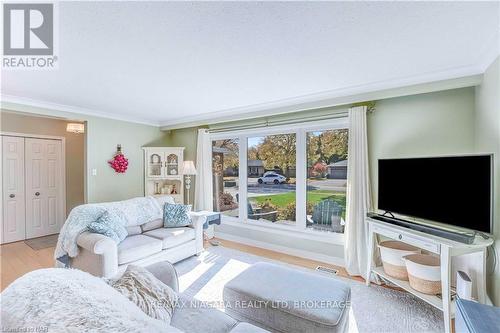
x: 166, y: 63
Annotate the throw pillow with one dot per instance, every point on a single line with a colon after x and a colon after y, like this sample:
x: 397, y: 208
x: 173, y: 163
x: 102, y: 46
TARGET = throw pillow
x: 110, y: 225
x: 176, y: 215
x: 152, y: 296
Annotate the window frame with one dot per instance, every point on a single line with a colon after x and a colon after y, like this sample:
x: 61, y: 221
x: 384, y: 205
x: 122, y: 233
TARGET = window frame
x: 300, y: 130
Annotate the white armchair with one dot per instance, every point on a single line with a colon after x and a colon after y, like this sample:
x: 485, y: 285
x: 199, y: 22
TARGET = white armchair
x: 101, y: 256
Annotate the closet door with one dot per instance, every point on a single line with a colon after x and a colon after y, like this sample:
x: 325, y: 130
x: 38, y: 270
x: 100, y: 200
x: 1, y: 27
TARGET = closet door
x: 13, y: 226
x: 44, y: 181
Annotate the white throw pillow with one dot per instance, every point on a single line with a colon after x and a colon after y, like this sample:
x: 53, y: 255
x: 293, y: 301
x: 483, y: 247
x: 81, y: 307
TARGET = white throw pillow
x: 152, y: 296
x: 163, y: 199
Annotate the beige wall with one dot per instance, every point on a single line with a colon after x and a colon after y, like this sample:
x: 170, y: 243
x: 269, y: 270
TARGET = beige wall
x: 487, y: 135
x: 74, y: 159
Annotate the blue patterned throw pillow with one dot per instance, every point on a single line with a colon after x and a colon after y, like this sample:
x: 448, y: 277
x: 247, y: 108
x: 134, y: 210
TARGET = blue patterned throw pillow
x: 176, y: 215
x: 110, y: 225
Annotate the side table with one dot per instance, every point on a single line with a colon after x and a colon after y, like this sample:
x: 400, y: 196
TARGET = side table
x: 212, y: 218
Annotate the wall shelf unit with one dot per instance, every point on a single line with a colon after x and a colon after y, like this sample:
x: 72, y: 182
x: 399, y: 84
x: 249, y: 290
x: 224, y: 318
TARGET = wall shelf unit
x: 163, y: 172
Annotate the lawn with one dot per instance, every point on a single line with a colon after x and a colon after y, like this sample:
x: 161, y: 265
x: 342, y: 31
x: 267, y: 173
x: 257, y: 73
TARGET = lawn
x: 315, y: 196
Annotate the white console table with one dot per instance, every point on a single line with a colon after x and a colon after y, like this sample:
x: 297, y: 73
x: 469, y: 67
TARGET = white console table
x: 474, y: 254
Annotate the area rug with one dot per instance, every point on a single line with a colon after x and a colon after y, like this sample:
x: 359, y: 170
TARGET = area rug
x: 42, y: 242
x: 373, y: 309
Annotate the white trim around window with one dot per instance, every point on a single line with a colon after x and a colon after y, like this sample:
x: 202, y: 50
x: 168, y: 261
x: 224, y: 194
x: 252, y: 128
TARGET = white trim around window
x: 300, y: 130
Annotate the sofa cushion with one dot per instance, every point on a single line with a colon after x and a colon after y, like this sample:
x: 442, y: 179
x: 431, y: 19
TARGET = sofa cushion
x: 155, y: 224
x: 171, y: 237
x: 134, y: 230
x: 137, y: 247
x: 307, y: 302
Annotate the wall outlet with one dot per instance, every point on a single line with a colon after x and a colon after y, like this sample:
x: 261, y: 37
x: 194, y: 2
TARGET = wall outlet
x: 94, y: 172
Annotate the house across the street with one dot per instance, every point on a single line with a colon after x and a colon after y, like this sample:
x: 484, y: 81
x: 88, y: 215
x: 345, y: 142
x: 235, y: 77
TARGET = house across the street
x: 337, y: 170
x: 255, y: 168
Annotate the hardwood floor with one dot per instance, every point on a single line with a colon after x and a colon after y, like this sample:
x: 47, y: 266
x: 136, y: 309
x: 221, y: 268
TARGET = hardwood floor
x: 283, y: 257
x: 18, y: 259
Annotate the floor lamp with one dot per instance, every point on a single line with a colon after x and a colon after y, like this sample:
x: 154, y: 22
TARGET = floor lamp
x: 188, y: 170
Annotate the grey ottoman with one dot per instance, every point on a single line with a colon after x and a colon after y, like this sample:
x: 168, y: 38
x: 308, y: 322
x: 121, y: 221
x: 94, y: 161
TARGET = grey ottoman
x: 282, y: 299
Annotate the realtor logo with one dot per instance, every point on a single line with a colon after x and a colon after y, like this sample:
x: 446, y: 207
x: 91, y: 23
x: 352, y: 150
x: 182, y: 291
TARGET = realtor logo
x: 29, y: 36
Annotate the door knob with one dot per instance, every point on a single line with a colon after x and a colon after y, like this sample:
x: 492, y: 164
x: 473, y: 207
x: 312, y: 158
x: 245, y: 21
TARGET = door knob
x: 37, y: 193
x: 12, y: 196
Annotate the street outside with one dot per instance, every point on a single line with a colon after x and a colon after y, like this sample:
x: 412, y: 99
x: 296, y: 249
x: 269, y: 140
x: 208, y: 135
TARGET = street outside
x: 255, y: 189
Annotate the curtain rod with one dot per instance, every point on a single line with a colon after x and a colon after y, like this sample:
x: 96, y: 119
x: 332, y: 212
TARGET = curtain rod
x: 277, y: 122
x: 269, y: 123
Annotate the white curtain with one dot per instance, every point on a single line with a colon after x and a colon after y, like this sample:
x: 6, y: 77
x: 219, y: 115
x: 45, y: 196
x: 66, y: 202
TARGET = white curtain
x: 203, y: 185
x: 358, y: 194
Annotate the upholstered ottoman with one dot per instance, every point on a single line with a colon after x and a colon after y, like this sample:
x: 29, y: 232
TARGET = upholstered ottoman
x: 282, y: 299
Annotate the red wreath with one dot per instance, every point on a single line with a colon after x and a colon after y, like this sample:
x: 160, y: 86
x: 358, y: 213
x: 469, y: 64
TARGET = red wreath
x: 119, y: 163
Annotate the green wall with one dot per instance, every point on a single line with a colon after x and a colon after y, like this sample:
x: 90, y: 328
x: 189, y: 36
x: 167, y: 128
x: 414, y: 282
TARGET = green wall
x: 186, y: 137
x: 429, y: 124
x: 102, y: 136
x: 425, y: 124
x: 487, y: 136
x: 418, y: 125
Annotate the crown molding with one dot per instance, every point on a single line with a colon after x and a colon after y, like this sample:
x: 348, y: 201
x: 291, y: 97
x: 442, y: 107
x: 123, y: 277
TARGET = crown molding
x: 444, y: 80
x: 491, y: 52
x: 33, y: 106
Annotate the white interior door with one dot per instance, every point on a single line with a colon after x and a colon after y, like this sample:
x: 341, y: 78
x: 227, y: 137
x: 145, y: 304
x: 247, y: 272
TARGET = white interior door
x: 44, y: 182
x: 13, y: 227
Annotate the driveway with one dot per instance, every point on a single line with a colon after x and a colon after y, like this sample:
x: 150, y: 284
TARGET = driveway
x: 327, y: 184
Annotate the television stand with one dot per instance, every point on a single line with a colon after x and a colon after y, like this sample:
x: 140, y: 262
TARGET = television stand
x: 470, y: 258
x: 462, y: 237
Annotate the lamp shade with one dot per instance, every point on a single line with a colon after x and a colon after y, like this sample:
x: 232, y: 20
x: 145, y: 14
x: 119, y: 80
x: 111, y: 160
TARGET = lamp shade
x: 75, y: 128
x: 188, y: 168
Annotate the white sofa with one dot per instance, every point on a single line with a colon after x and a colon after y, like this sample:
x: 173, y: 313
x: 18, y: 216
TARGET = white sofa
x: 146, y: 244
x: 69, y: 300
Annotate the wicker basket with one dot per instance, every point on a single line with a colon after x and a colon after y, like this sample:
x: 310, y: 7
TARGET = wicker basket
x: 425, y: 286
x: 398, y: 272
x: 392, y: 253
x: 424, y: 272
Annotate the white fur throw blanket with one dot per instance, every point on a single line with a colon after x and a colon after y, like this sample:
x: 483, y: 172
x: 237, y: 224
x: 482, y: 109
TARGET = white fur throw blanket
x: 134, y: 211
x: 69, y: 300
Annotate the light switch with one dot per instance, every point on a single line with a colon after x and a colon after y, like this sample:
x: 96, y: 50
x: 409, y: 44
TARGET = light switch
x: 94, y: 172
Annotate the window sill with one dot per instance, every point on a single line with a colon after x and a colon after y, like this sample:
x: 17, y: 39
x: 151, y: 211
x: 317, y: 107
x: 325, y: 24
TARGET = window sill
x: 290, y: 231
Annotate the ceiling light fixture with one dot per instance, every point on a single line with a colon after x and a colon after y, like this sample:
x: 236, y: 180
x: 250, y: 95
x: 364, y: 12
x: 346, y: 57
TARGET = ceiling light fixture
x: 75, y: 128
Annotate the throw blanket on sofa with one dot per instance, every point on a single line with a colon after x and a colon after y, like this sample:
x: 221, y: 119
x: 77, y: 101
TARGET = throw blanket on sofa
x: 135, y: 211
x: 70, y: 300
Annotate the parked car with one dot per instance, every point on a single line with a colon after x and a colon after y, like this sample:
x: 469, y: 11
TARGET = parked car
x: 272, y: 179
x: 267, y: 173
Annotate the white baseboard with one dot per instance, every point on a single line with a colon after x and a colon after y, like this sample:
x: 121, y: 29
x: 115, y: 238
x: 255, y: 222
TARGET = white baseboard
x: 282, y: 249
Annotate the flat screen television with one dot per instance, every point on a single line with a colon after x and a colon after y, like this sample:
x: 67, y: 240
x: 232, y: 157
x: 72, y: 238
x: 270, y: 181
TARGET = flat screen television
x: 453, y: 190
